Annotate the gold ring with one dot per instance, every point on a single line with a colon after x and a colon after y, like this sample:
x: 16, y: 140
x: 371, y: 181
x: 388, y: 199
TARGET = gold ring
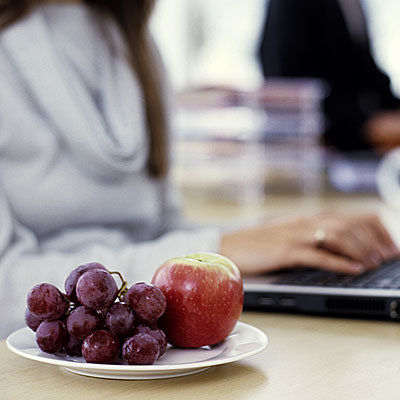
x: 320, y: 237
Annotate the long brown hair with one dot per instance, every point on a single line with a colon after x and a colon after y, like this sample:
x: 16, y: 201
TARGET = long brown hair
x: 132, y: 16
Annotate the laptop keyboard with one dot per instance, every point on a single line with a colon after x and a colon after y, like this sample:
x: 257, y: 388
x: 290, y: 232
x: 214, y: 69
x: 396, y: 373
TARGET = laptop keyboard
x: 385, y: 277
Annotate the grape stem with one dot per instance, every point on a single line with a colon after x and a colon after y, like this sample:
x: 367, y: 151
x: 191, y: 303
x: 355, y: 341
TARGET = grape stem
x: 124, y: 284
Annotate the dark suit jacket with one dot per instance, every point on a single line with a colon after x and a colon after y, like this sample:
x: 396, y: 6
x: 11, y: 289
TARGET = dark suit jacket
x: 310, y: 38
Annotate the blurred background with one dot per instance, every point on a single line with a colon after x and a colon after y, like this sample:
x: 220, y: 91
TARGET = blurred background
x: 254, y: 124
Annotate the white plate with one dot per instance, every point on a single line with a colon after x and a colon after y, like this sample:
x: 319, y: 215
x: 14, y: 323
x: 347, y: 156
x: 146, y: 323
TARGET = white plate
x: 244, y: 341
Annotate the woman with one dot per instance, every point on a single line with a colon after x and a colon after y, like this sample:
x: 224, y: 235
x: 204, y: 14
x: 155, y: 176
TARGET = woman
x: 84, y: 161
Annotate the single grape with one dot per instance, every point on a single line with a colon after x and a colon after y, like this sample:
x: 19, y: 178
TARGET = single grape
x: 156, y: 333
x: 141, y: 349
x: 96, y: 289
x: 32, y: 321
x: 45, y: 301
x: 147, y: 301
x: 72, y: 279
x: 101, y: 347
x: 73, y: 346
x: 50, y: 336
x: 82, y: 322
x: 120, y: 319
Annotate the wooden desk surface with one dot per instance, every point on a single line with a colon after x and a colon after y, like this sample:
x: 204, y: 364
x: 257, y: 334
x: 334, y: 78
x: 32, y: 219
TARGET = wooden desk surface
x: 208, y: 210
x: 307, y: 358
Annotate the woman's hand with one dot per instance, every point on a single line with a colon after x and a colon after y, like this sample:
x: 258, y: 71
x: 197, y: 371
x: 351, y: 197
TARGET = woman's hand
x: 339, y: 242
x: 383, y: 130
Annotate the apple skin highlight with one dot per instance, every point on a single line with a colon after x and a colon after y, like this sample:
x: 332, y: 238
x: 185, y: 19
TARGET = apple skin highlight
x: 204, y: 294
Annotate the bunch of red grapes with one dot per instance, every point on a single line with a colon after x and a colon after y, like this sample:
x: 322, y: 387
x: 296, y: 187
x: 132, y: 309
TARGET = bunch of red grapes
x: 96, y: 319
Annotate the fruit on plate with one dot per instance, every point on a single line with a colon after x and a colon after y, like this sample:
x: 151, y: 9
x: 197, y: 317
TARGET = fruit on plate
x: 45, y: 301
x: 141, y: 349
x: 120, y: 319
x: 50, y: 336
x: 192, y: 301
x: 96, y: 289
x: 204, y: 294
x: 147, y: 300
x: 101, y: 347
x: 82, y: 321
x: 95, y: 318
x: 75, y: 274
x: 157, y: 334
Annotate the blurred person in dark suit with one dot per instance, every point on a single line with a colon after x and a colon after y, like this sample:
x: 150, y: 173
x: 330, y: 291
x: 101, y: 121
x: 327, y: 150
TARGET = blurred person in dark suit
x: 328, y: 39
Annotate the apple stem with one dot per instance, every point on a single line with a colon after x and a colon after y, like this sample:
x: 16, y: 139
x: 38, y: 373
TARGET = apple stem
x: 123, y: 289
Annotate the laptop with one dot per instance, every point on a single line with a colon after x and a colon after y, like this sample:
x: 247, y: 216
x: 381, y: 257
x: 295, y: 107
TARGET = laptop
x: 373, y: 295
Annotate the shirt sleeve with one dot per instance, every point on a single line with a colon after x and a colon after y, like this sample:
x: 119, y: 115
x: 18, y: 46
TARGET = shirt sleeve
x: 25, y: 260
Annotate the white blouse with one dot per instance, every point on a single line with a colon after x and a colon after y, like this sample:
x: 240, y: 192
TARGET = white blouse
x: 73, y: 147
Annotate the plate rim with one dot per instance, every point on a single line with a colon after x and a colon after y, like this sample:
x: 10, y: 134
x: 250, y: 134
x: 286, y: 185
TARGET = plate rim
x: 144, y: 368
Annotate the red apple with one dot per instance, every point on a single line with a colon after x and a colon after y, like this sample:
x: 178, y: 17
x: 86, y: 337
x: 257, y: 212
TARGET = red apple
x: 204, y: 294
